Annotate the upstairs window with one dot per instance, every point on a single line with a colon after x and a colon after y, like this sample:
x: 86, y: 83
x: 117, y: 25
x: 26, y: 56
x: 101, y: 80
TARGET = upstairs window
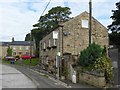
x: 27, y: 48
x: 84, y: 23
x: 20, y: 48
x: 14, y: 48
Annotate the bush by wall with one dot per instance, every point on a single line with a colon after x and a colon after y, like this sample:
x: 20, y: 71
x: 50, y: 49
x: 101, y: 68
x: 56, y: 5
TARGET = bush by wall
x: 94, y: 58
x: 89, y: 55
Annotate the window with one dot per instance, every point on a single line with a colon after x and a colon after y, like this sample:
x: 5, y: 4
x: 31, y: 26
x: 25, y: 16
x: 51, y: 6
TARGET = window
x: 49, y: 42
x: 27, y: 53
x: 14, y: 48
x: 14, y: 53
x: 54, y: 42
x: 27, y: 48
x: 84, y: 23
x: 41, y: 46
x: 20, y: 48
x: 55, y: 34
x: 44, y: 45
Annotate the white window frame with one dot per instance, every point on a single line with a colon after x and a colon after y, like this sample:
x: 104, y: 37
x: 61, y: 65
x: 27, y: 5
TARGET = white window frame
x: 20, y: 48
x: 85, y: 23
x: 14, y: 48
x: 27, y: 47
x: 54, y: 42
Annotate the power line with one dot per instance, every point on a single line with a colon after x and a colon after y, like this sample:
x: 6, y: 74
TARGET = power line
x: 45, y: 9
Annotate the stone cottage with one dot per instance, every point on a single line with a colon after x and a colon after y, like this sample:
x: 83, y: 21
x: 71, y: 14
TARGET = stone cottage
x: 19, y: 48
x: 73, y: 37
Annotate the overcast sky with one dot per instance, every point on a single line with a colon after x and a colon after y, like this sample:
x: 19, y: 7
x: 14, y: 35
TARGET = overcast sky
x: 18, y: 16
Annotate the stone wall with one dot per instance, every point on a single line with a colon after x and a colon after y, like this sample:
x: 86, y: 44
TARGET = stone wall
x: 78, y: 36
x: 97, y: 81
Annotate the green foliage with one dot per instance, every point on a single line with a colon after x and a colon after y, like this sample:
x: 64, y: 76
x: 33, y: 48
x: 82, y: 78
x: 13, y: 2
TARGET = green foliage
x: 17, y: 57
x: 94, y: 58
x: 9, y: 51
x: 116, y: 18
x: 89, y: 55
x: 115, y: 39
x: 31, y: 62
x: 48, y: 23
x: 27, y: 38
x: 104, y: 65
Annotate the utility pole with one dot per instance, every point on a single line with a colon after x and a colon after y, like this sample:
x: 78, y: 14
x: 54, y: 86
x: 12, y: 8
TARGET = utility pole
x: 62, y: 38
x: 58, y: 56
x: 90, y: 21
x: 30, y: 45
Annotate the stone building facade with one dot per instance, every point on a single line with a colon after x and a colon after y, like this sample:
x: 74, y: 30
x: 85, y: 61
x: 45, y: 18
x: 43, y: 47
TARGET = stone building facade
x: 72, y: 40
x: 18, y: 48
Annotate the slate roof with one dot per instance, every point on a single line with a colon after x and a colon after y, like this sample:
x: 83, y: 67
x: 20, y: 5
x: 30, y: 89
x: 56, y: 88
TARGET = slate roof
x: 23, y: 43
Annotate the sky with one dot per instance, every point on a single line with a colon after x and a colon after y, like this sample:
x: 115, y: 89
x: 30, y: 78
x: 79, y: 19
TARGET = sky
x: 18, y: 16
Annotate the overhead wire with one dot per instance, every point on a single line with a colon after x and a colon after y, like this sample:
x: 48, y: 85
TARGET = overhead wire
x: 27, y: 32
x: 45, y: 9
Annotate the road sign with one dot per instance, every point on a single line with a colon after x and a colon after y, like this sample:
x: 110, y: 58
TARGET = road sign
x: 55, y: 34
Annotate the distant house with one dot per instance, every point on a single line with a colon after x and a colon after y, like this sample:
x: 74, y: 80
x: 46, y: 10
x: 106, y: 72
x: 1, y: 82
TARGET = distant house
x: 18, y: 48
x: 73, y: 39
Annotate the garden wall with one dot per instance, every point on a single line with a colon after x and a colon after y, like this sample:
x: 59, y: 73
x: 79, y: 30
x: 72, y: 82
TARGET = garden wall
x: 95, y: 80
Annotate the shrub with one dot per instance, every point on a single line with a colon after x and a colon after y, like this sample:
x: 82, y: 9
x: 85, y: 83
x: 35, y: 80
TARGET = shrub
x: 17, y: 57
x: 89, y: 55
x: 104, y: 65
x: 94, y: 58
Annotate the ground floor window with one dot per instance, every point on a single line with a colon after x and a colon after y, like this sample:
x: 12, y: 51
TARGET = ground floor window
x: 14, y: 53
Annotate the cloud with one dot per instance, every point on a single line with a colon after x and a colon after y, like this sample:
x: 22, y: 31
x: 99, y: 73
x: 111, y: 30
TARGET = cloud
x: 18, y: 16
x: 15, y: 22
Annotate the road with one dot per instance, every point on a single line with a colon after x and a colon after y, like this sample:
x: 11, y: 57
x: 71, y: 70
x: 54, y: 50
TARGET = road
x: 41, y: 81
x: 12, y: 78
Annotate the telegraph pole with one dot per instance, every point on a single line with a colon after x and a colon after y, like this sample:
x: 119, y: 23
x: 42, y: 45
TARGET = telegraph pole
x: 90, y: 21
x: 30, y: 45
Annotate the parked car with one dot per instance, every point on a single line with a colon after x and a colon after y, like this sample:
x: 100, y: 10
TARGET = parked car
x: 25, y: 57
x: 9, y: 58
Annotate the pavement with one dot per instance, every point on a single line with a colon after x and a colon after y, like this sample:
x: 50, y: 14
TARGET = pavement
x: 44, y: 80
x: 12, y: 78
x: 41, y: 80
x: 66, y: 83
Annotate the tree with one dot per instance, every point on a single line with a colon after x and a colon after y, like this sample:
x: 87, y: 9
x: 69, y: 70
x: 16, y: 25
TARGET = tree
x: 115, y: 26
x: 27, y: 38
x: 9, y: 51
x: 48, y: 23
x: 13, y: 39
